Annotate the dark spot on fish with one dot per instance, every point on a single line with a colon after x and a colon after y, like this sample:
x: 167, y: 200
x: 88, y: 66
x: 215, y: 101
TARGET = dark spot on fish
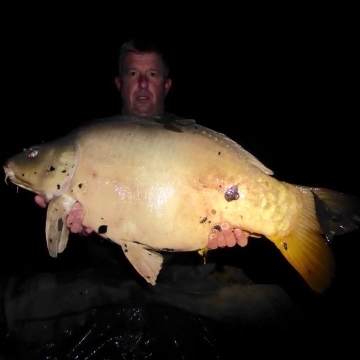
x: 136, y: 242
x: 167, y: 249
x: 60, y: 224
x: 209, y: 222
x: 23, y: 174
x: 203, y: 220
x: 196, y: 128
x: 102, y: 229
x: 213, y: 211
x: 50, y: 240
x: 232, y: 193
x: 102, y: 218
x: 94, y: 175
x: 64, y: 171
x: 72, y: 190
x: 126, y: 245
x: 219, y: 152
x: 58, y: 186
x: 217, y: 227
x: 51, y: 168
x: 285, y: 245
x: 172, y: 127
x: 73, y: 165
x: 35, y: 172
x: 126, y: 250
x: 80, y: 186
x: 148, y: 277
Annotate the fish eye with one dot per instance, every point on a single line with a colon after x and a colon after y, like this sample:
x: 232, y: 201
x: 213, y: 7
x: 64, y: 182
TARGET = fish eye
x: 32, y: 153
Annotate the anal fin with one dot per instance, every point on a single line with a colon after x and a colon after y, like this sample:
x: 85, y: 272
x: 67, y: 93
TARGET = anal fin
x: 147, y: 263
x: 57, y: 233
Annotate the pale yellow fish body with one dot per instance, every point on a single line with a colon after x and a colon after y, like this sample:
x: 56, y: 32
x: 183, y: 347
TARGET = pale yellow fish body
x: 157, y: 186
x: 146, y: 185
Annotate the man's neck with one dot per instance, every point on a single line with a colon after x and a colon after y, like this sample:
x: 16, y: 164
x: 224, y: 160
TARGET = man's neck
x: 129, y: 113
x: 165, y: 116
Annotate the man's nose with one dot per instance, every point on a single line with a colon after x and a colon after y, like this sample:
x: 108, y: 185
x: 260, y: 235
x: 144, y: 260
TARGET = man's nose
x: 143, y: 81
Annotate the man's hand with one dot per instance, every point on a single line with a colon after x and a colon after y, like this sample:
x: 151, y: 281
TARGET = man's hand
x: 227, y: 237
x: 73, y: 220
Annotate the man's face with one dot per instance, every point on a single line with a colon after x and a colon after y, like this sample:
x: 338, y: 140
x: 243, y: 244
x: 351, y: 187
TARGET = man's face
x: 143, y: 85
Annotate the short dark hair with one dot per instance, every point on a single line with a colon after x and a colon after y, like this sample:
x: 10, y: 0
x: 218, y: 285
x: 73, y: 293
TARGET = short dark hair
x: 142, y: 45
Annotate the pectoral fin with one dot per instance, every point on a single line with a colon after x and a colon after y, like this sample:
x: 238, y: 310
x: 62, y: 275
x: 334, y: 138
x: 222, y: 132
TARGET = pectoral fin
x: 147, y: 263
x: 57, y: 233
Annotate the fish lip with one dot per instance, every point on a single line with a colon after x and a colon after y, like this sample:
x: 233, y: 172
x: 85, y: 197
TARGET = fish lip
x: 9, y: 174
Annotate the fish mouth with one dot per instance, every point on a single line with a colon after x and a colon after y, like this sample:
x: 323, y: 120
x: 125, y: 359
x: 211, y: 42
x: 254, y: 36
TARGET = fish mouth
x: 9, y: 174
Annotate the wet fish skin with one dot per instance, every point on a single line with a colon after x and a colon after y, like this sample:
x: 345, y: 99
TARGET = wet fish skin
x: 147, y: 185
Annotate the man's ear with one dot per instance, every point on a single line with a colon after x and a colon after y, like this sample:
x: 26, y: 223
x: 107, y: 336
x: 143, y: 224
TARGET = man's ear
x: 118, y: 82
x: 168, y: 84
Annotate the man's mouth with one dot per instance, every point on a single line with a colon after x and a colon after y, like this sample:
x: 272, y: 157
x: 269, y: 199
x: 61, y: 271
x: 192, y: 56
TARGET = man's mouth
x: 143, y: 98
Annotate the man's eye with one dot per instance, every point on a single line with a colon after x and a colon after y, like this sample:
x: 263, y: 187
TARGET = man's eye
x: 132, y: 73
x: 152, y: 73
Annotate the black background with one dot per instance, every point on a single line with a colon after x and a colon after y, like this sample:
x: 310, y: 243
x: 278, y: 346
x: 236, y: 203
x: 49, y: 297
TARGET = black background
x: 283, y: 84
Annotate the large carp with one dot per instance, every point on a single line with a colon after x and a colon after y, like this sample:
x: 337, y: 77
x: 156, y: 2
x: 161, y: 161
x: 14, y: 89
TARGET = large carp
x: 151, y: 187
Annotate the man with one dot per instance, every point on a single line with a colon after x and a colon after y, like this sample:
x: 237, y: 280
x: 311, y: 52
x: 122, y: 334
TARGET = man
x: 144, y: 83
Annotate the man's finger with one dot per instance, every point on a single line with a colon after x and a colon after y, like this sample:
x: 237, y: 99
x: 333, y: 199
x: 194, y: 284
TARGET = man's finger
x: 40, y: 201
x: 213, y: 243
x: 228, y: 235
x: 241, y: 237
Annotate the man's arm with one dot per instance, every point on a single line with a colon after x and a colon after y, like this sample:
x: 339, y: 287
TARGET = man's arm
x: 219, y: 238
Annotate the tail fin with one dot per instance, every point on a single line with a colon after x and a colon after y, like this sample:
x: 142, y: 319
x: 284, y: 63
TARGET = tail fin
x: 337, y: 213
x: 326, y: 213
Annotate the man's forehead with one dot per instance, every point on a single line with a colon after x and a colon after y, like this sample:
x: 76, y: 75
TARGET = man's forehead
x: 148, y: 59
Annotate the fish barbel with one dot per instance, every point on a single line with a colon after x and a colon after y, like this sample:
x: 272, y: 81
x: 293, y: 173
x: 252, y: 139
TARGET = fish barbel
x: 151, y: 187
